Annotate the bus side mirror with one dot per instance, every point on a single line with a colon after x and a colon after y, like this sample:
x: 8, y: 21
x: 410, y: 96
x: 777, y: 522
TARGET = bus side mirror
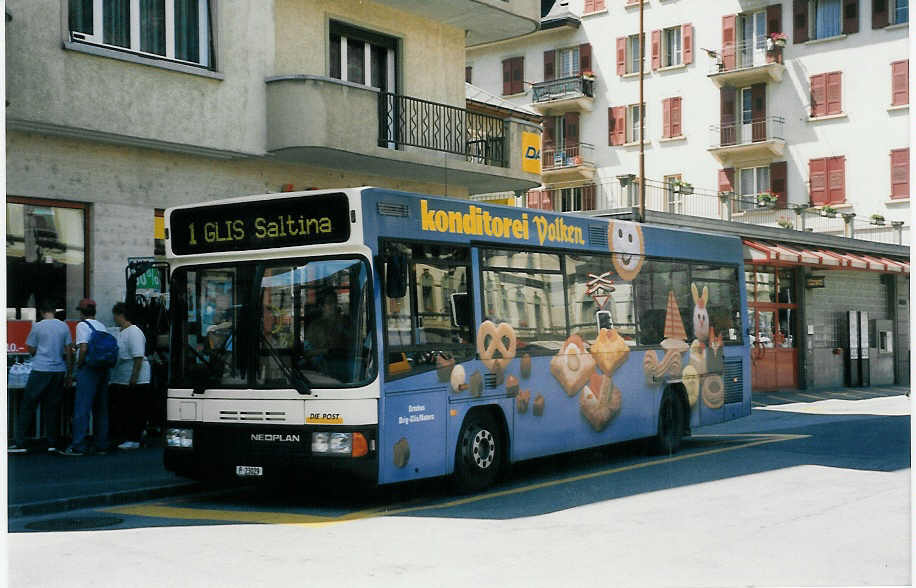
x: 396, y: 276
x: 461, y: 310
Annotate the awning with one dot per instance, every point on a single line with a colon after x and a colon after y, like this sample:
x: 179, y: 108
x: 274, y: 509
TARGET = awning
x: 779, y: 255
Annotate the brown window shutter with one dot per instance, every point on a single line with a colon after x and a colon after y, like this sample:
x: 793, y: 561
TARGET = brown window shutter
x: 727, y: 130
x: 834, y: 92
x: 507, y: 77
x: 676, y: 130
x: 800, y: 20
x: 621, y: 55
x: 666, y: 118
x: 620, y: 124
x: 879, y: 14
x: 549, y: 68
x: 534, y: 199
x: 836, y: 180
x: 900, y: 173
x: 687, y: 37
x: 588, y: 197
x: 759, y: 112
x: 549, y: 132
x: 571, y: 123
x: 900, y: 82
x: 585, y: 57
x: 547, y: 197
x: 727, y: 179
x: 818, y: 95
x: 774, y: 18
x: 778, y: 171
x: 518, y: 69
x: 610, y: 126
x: 817, y: 180
x: 850, y: 16
x: 728, y: 41
x: 656, y: 49
x: 467, y: 74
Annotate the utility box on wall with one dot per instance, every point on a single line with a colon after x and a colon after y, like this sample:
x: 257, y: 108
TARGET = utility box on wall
x: 881, y: 333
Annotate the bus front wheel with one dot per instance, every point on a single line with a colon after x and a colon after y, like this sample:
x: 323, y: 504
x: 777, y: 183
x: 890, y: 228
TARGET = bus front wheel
x: 480, y: 452
x: 670, y: 424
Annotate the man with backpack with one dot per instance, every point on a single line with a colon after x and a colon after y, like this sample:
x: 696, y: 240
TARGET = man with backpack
x: 96, y: 353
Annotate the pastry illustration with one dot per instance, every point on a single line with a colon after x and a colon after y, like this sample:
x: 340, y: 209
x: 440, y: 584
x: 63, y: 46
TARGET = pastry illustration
x: 626, y: 243
x: 537, y: 407
x: 713, y: 391
x: 691, y: 384
x: 609, y: 350
x: 511, y: 386
x: 444, y: 367
x: 670, y: 366
x: 600, y: 401
x: 401, y: 452
x: 525, y: 366
x: 458, y: 379
x: 698, y: 356
x: 476, y: 384
x: 573, y: 365
x: 675, y: 335
x: 714, y: 353
x: 521, y: 401
x: 496, y: 345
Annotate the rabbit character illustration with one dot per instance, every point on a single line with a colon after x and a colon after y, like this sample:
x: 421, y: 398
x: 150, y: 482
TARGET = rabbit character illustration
x: 700, y: 314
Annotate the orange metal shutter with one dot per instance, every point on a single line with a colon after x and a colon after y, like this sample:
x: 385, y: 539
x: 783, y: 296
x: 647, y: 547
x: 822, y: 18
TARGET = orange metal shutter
x: 656, y: 49
x: 900, y: 173
x: 666, y: 118
x: 817, y: 178
x: 834, y: 92
x: 818, y: 95
x: 687, y: 36
x: 900, y: 82
x: 727, y: 179
x: 675, y: 106
x: 728, y: 41
x: 621, y: 55
x: 836, y: 179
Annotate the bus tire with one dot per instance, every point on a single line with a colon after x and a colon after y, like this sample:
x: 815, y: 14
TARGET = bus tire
x: 480, y: 454
x: 667, y: 439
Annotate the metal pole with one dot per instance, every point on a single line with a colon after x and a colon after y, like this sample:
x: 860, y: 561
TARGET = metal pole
x: 642, y: 120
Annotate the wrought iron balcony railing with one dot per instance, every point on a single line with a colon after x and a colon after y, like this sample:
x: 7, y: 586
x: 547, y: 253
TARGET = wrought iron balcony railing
x: 408, y: 121
x: 768, y: 128
x: 569, y: 87
x: 569, y: 156
x: 744, y: 55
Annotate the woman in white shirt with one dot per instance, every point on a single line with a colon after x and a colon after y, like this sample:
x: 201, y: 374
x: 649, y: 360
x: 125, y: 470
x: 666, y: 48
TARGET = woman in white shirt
x: 130, y: 378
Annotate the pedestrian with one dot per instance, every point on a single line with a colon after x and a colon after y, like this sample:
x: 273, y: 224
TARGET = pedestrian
x: 130, y: 378
x: 91, y: 389
x: 50, y: 343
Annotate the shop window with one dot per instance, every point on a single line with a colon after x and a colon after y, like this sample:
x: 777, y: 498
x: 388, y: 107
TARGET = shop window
x: 45, y: 255
x: 772, y: 307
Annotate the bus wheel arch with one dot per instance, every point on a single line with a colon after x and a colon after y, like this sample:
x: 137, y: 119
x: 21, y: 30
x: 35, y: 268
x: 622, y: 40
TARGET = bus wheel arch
x: 673, y: 420
x: 482, y: 448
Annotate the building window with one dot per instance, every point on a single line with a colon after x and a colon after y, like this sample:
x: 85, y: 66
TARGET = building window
x: 826, y: 94
x: 671, y: 117
x: 634, y: 53
x: 674, y: 200
x: 174, y: 29
x: 633, y: 123
x: 900, y: 11
x: 752, y: 30
x: 827, y: 180
x: 567, y: 62
x: 362, y: 57
x: 513, y: 75
x: 671, y: 47
x: 827, y: 18
x: 752, y: 181
x: 900, y: 173
x: 467, y: 74
x: 45, y: 255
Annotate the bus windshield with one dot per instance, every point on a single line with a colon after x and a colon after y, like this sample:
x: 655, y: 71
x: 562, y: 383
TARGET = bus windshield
x: 263, y: 324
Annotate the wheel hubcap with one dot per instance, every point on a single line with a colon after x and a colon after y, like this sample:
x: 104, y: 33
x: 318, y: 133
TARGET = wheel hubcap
x: 482, y: 449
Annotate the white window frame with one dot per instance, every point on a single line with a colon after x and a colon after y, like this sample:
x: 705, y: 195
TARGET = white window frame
x: 812, y: 20
x: 367, y: 63
x: 633, y: 126
x: 674, y: 200
x: 567, y: 62
x: 573, y: 196
x: 632, y: 61
x: 203, y: 19
x: 672, y: 55
x: 748, y: 201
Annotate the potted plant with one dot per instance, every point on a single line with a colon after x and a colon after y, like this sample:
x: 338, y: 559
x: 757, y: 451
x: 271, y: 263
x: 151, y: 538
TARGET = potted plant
x: 785, y: 223
x: 682, y: 187
x: 766, y: 199
x: 877, y: 219
x: 828, y: 211
x: 588, y: 75
x: 779, y: 39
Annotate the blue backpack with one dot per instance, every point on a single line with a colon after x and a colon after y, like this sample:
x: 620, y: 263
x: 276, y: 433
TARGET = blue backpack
x: 102, y: 349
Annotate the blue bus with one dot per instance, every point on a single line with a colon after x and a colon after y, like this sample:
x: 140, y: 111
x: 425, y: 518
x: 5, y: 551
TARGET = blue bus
x: 396, y: 336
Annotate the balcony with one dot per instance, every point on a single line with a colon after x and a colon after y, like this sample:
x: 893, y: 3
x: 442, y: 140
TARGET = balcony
x: 325, y: 122
x: 570, y: 94
x: 573, y: 162
x: 484, y: 21
x: 744, y: 64
x: 759, y: 139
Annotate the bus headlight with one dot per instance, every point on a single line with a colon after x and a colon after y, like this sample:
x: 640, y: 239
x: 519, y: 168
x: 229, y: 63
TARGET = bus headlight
x: 320, y: 442
x: 341, y: 443
x: 352, y: 444
x: 180, y: 438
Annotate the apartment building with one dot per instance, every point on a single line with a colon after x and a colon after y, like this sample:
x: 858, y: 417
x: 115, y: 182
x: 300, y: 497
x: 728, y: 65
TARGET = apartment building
x: 786, y: 123
x: 118, y: 110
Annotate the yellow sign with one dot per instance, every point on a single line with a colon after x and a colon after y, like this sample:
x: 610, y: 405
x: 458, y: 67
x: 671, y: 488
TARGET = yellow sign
x: 324, y: 419
x: 531, y: 153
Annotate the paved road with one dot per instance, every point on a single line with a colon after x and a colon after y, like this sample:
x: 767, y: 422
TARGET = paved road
x: 815, y: 492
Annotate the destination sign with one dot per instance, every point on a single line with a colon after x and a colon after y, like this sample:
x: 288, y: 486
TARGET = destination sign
x: 261, y: 224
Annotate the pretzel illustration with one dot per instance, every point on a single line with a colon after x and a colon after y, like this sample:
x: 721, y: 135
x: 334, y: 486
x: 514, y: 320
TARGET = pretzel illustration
x: 496, y: 345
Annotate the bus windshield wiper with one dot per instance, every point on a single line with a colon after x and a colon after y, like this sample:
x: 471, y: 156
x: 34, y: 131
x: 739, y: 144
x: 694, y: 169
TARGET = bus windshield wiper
x: 291, y: 372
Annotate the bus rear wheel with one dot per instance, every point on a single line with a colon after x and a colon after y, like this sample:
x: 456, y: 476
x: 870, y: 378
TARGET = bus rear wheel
x: 480, y: 453
x: 670, y: 424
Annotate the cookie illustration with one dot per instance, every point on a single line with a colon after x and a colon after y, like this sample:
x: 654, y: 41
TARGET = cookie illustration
x: 537, y: 407
x: 511, y: 386
x: 600, y: 401
x: 444, y: 367
x: 476, y: 384
x: 525, y: 366
x: 650, y: 366
x: 713, y: 391
x: 573, y: 365
x: 691, y: 384
x: 458, y: 380
x: 521, y: 401
x: 698, y: 356
x: 401, y: 452
x: 609, y: 350
x: 496, y: 345
x: 625, y: 241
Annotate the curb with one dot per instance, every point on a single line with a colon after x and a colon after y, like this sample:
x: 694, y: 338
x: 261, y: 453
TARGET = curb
x: 107, y: 499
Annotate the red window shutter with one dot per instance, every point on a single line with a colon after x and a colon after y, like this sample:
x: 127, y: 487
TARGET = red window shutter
x: 585, y: 57
x: 774, y: 18
x: 800, y: 20
x: 817, y: 179
x: 589, y: 6
x: 666, y: 118
x: 467, y: 74
x: 507, y: 77
x: 549, y: 132
x: 834, y: 92
x: 836, y: 180
x: 620, y: 124
x: 547, y: 197
x: 549, y: 69
x: 610, y: 126
x: 850, y: 16
x: 518, y: 69
x: 900, y: 82
x: 571, y: 124
x: 675, y: 103
x: 534, y: 199
x: 727, y: 179
x: 728, y: 41
x: 599, y: 5
x: 656, y: 49
x: 621, y: 55
x: 818, y: 95
x: 588, y: 197
x: 900, y: 173
x: 879, y: 14
x: 727, y: 129
x: 687, y: 37
x: 778, y: 172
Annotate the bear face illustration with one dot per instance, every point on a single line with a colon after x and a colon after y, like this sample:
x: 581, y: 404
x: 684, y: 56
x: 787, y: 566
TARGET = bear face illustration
x: 626, y: 243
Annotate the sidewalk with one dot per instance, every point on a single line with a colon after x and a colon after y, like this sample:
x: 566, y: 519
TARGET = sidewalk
x: 43, y: 483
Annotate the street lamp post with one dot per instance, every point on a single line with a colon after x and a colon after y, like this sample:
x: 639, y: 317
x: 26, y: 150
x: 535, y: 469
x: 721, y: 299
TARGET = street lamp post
x: 642, y: 120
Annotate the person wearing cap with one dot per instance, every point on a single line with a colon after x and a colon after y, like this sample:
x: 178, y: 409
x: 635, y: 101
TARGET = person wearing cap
x: 49, y: 342
x: 91, y: 389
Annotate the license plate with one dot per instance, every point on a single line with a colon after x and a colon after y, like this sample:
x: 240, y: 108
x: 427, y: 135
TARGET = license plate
x: 248, y: 471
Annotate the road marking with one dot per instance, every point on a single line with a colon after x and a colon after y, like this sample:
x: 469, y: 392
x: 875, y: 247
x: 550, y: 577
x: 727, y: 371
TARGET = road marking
x: 280, y: 518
